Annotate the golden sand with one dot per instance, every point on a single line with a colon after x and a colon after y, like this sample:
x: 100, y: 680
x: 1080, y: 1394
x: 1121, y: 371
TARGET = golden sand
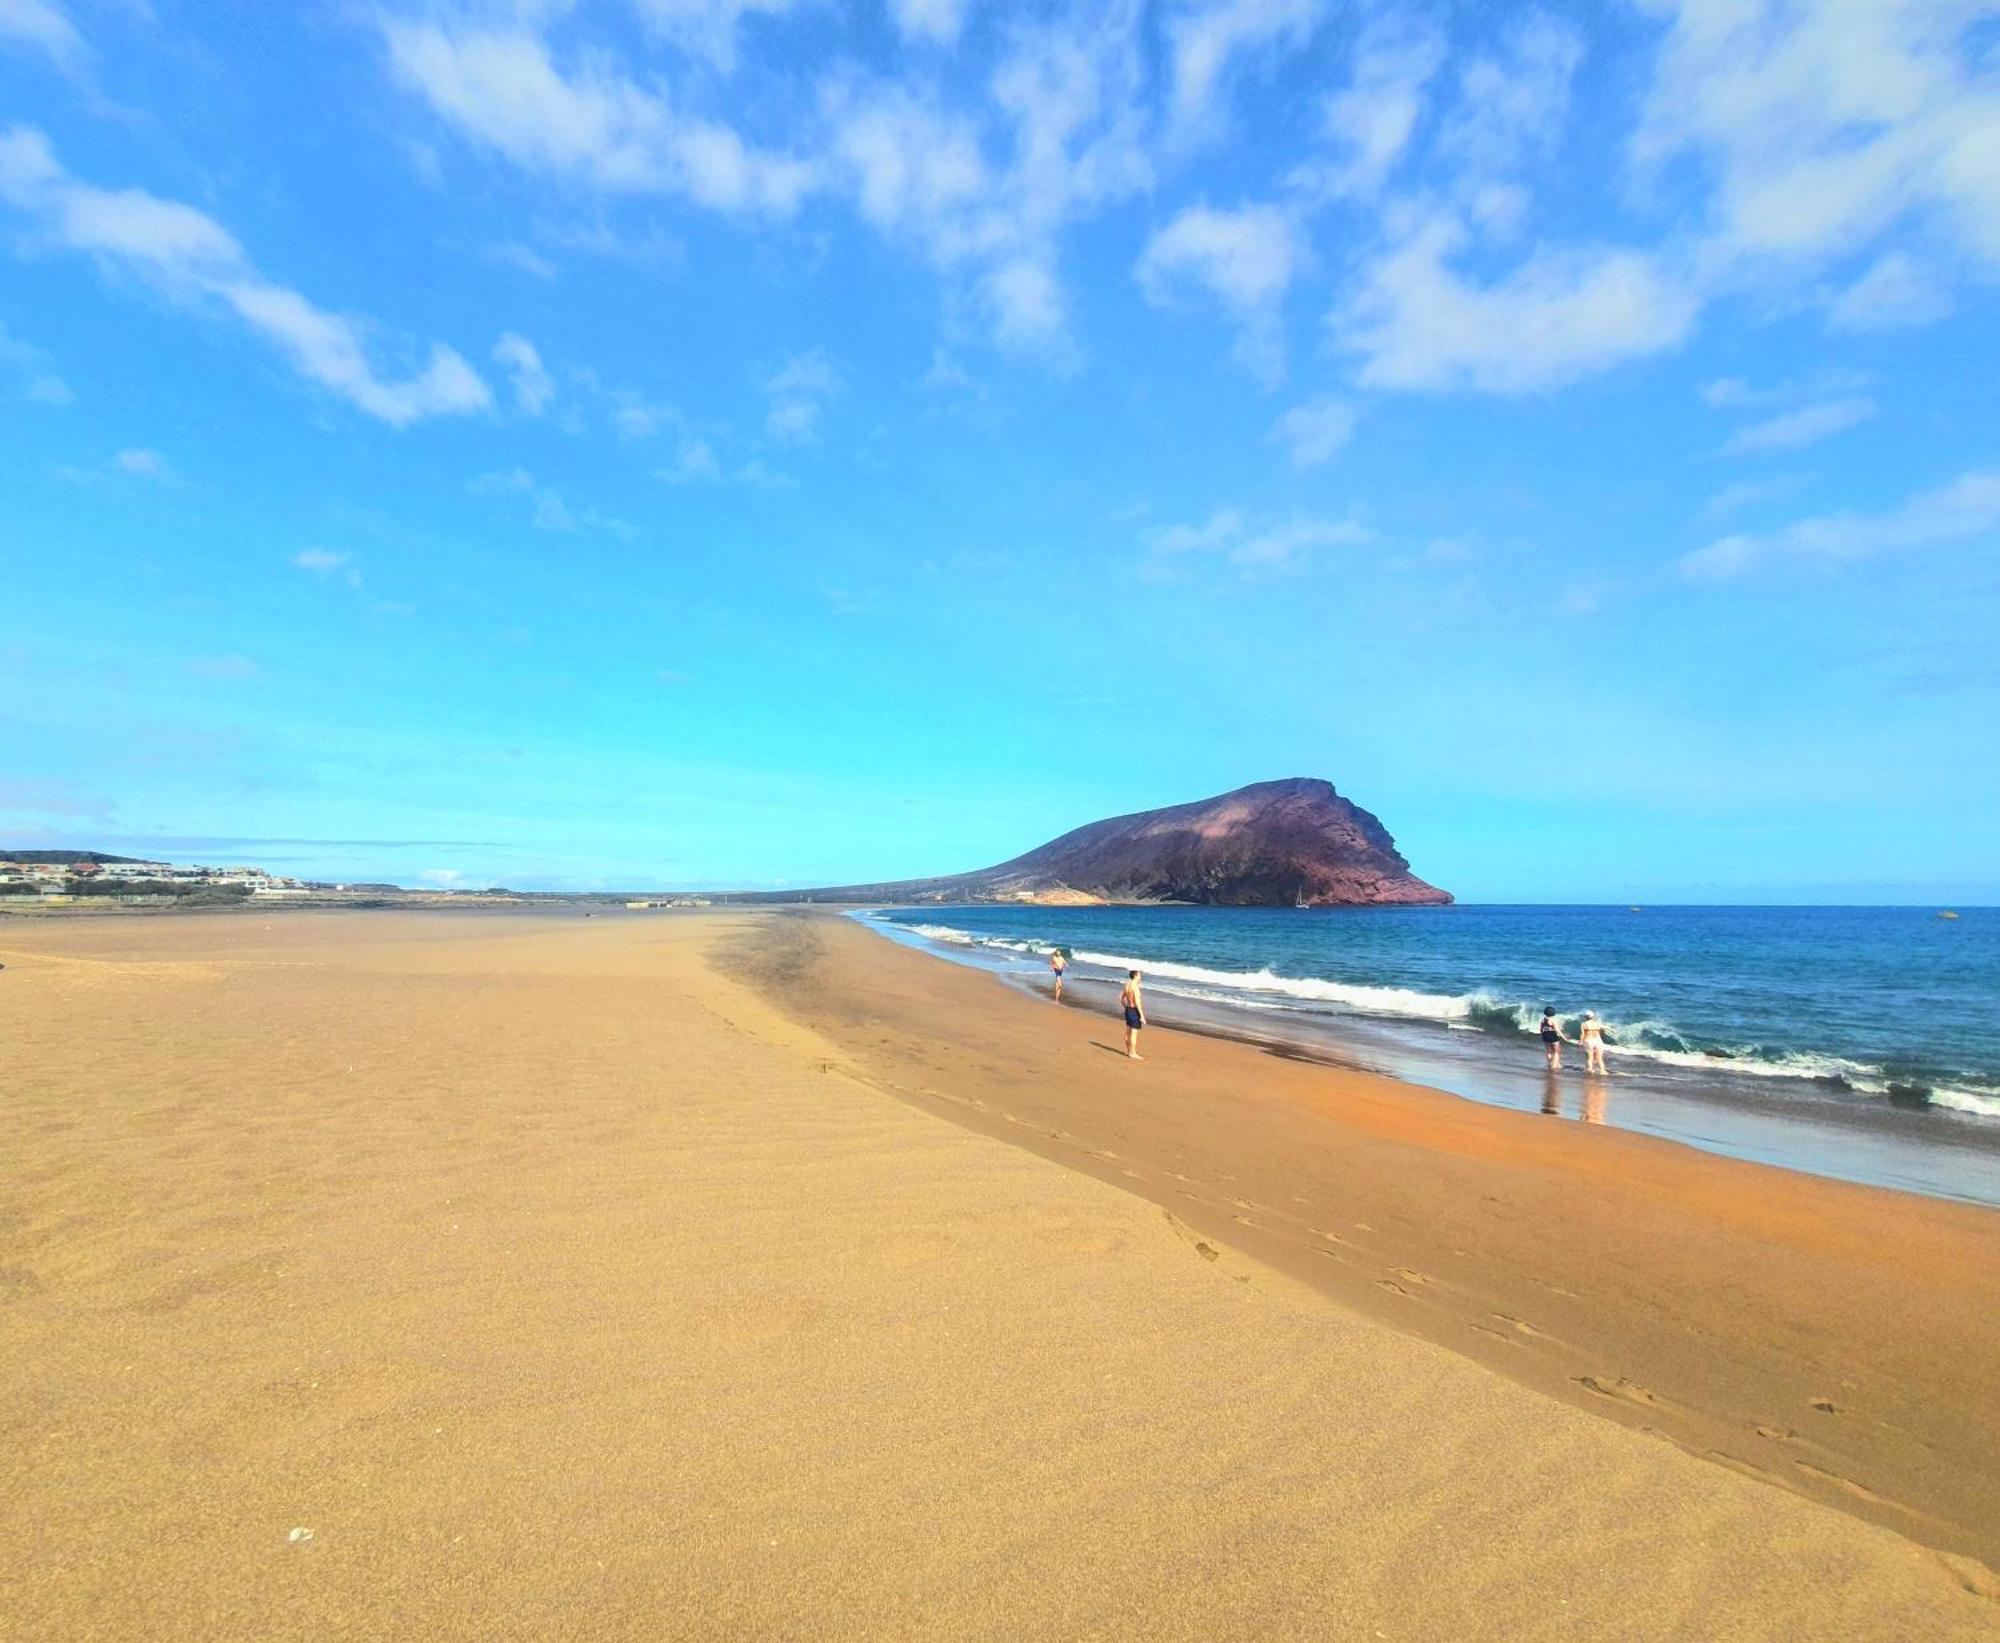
x: 561, y: 1287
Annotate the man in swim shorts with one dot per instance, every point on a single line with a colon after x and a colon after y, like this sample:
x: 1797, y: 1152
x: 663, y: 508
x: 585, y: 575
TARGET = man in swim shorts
x: 1135, y: 1014
x: 1057, y: 964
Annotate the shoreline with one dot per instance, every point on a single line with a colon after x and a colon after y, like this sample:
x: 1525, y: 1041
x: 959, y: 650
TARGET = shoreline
x: 1822, y: 1335
x: 1935, y: 1150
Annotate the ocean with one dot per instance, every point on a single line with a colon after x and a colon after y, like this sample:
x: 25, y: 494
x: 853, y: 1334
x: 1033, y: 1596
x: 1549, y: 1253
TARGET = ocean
x: 1859, y: 1042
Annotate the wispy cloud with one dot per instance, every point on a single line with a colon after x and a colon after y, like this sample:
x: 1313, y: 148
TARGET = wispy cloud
x: 1209, y: 39
x: 330, y: 563
x: 1966, y: 509
x: 42, y: 25
x: 522, y: 361
x: 1749, y: 493
x: 1245, y: 259
x: 798, y: 392
x: 1314, y: 433
x: 1251, y: 544
x: 1794, y: 430
x: 144, y: 463
x: 547, y: 511
x: 190, y: 258
x: 1369, y: 123
x: 501, y: 87
x: 39, y: 381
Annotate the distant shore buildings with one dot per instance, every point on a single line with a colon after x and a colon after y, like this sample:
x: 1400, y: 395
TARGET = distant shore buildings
x: 91, y: 876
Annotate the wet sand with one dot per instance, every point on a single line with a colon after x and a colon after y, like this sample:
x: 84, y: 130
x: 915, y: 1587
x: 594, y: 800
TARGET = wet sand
x: 561, y: 1286
x: 1836, y: 1339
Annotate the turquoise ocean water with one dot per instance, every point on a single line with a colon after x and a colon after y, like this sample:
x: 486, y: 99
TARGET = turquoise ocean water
x: 1857, y: 1041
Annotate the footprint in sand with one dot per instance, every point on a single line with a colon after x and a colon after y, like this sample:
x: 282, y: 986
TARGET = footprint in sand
x: 1777, y: 1434
x: 1391, y: 1284
x: 1408, y: 1276
x: 1521, y: 1328
x: 1826, y: 1406
x: 1620, y: 1389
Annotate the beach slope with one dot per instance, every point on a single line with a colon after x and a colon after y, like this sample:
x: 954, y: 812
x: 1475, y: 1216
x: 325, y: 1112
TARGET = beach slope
x: 487, y: 1277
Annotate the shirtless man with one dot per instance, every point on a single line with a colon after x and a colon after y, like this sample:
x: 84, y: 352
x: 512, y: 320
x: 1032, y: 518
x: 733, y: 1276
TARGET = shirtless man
x: 1057, y: 964
x: 1135, y: 1014
x: 1590, y: 1034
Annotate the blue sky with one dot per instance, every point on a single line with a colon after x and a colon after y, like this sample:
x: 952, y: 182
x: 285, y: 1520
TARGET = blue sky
x: 691, y: 442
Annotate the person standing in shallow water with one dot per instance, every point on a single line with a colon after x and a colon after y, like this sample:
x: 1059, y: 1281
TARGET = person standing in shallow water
x: 1057, y: 964
x: 1134, y: 1007
x: 1590, y: 1034
x: 1552, y: 1038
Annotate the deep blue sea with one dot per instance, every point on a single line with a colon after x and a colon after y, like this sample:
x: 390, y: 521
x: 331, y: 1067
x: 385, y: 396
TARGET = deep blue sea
x: 1884, y: 1016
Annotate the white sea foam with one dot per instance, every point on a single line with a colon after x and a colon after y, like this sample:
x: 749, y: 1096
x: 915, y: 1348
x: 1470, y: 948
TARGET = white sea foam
x: 1396, y: 1001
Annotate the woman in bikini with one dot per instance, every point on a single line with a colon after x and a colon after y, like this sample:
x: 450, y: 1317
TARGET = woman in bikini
x: 1135, y: 1014
x: 1590, y: 1034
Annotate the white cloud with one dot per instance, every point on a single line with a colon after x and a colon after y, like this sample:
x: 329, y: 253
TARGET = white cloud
x: 1250, y: 544
x: 708, y: 28
x: 144, y: 463
x: 44, y: 26
x: 1740, y: 394
x: 694, y: 461
x: 1512, y: 103
x: 798, y: 391
x: 1206, y: 35
x: 547, y: 511
x: 1794, y: 430
x: 1245, y: 259
x: 500, y: 88
x: 1894, y: 292
x: 1750, y: 492
x: 1561, y: 315
x: 981, y: 189
x: 1825, y: 123
x: 533, y: 386
x: 1967, y: 508
x: 1315, y: 432
x: 939, y: 21
x: 191, y: 258
x: 1370, y: 122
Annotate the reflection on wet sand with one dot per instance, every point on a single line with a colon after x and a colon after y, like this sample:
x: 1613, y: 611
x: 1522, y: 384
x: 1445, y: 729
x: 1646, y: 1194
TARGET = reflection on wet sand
x: 1596, y: 1098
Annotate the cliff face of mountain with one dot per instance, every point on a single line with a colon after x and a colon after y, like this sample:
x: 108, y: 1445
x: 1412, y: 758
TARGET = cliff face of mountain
x: 1272, y: 844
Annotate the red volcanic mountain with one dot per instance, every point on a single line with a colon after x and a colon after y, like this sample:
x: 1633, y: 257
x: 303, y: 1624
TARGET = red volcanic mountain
x: 1272, y: 844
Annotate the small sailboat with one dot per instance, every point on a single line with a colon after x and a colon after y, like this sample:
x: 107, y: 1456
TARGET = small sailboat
x: 1947, y: 913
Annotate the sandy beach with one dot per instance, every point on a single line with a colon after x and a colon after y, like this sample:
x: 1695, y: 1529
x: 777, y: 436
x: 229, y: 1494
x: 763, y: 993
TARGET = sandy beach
x: 493, y: 1276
